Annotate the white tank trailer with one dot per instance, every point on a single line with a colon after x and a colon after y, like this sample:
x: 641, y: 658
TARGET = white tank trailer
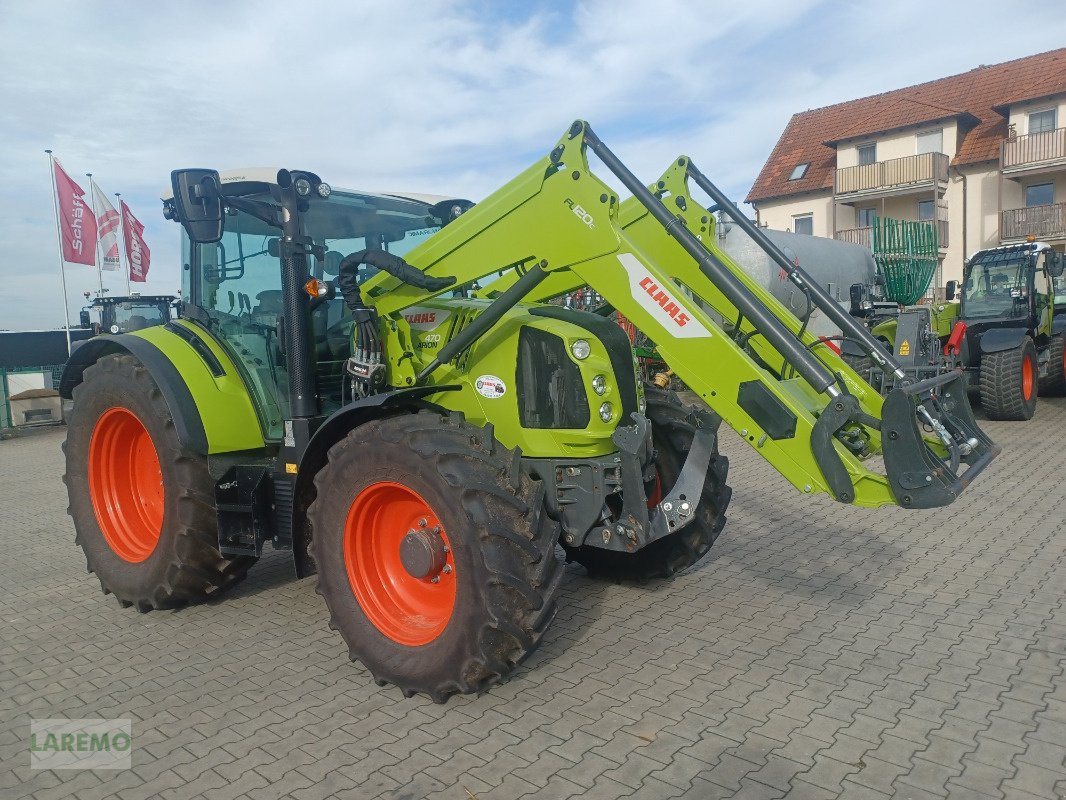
x: 834, y: 265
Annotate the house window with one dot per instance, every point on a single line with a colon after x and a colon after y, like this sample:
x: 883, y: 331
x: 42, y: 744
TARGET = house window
x: 799, y: 171
x: 930, y: 141
x: 1042, y: 121
x: 804, y: 224
x: 1040, y: 194
x: 867, y: 154
x: 867, y: 216
x: 926, y: 210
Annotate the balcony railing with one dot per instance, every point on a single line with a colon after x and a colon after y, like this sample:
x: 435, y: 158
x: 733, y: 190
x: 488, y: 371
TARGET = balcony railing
x: 1043, y: 222
x: 1033, y: 149
x: 896, y: 173
x: 859, y: 236
x: 865, y: 237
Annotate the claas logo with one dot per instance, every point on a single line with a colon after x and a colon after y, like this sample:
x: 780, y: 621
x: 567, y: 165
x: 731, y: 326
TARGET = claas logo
x: 426, y: 316
x: 664, y: 300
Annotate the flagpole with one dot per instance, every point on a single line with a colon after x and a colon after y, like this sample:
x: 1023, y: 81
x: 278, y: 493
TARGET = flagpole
x: 122, y: 242
x: 99, y: 268
x: 59, y: 240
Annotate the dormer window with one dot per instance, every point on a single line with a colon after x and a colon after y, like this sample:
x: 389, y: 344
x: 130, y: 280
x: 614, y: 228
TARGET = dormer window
x: 799, y: 171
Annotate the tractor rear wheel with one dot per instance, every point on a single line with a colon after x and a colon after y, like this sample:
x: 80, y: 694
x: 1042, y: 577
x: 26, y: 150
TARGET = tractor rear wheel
x: 143, y: 505
x: 672, y: 434
x: 436, y: 557
x: 1009, y: 382
x: 1055, y: 382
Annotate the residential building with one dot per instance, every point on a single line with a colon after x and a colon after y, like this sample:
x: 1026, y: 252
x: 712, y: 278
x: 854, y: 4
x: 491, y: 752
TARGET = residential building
x: 981, y: 156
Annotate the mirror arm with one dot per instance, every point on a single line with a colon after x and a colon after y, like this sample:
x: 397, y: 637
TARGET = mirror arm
x: 265, y: 212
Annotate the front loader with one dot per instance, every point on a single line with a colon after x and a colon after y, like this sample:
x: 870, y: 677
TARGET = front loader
x: 332, y: 387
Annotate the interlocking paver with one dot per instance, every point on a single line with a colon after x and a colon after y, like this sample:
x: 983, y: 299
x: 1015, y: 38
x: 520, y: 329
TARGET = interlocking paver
x: 817, y: 652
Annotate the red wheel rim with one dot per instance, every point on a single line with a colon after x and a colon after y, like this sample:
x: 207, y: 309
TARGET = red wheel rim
x: 126, y: 484
x: 1027, y: 378
x: 407, y: 609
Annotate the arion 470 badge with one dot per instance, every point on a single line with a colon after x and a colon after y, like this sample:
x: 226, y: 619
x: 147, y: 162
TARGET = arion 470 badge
x: 490, y: 386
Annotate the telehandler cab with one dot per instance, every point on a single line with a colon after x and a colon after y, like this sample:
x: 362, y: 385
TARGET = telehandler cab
x: 424, y: 450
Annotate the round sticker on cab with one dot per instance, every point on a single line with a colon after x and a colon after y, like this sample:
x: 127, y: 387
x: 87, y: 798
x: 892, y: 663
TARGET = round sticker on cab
x: 490, y: 386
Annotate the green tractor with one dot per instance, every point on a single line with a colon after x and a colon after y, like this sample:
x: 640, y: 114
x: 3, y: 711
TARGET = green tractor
x: 1006, y: 333
x: 336, y: 385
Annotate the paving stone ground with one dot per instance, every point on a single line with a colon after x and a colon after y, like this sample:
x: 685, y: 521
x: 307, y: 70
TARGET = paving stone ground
x: 820, y: 651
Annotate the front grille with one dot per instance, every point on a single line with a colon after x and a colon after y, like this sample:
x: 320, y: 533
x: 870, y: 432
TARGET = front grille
x: 550, y: 391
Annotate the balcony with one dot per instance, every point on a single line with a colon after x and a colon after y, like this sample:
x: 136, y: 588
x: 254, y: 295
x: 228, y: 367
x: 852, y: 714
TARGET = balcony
x: 1043, y: 222
x: 864, y: 237
x: 1033, y: 153
x: 895, y: 176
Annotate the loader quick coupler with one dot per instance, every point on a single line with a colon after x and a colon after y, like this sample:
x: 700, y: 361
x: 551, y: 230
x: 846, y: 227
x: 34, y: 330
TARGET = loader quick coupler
x: 919, y: 476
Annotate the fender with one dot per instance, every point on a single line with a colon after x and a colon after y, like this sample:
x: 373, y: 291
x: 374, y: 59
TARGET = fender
x: 1058, y: 324
x: 850, y: 348
x: 211, y: 407
x: 334, y: 428
x: 996, y: 340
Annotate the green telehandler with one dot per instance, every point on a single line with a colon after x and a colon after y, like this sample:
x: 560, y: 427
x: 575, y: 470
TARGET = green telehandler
x: 334, y: 385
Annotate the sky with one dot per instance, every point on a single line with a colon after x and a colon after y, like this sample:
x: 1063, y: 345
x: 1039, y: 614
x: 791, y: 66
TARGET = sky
x: 448, y: 98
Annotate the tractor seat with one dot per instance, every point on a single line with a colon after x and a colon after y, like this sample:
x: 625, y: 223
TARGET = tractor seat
x: 136, y: 323
x: 269, y: 303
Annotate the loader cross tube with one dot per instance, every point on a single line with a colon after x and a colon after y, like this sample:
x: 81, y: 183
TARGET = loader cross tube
x: 812, y: 370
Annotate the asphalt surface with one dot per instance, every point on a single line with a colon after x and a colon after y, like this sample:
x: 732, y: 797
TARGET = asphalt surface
x: 819, y: 651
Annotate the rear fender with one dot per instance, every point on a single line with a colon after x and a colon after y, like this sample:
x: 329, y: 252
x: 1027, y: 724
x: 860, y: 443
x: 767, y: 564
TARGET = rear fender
x: 332, y: 430
x: 207, y: 398
x: 996, y: 340
x: 1058, y: 324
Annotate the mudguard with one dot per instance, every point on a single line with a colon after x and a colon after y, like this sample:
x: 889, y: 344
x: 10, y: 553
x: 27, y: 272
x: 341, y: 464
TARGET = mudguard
x: 332, y: 430
x: 207, y: 398
x: 996, y: 340
x: 1058, y: 325
x: 850, y: 348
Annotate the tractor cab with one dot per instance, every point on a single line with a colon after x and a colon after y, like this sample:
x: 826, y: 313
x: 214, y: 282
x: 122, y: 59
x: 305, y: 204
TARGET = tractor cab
x: 234, y: 285
x: 127, y: 314
x: 1012, y: 287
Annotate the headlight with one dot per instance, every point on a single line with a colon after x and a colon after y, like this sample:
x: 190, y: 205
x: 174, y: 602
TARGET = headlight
x: 606, y: 410
x: 324, y: 190
x: 581, y: 349
x: 302, y: 187
x: 599, y: 384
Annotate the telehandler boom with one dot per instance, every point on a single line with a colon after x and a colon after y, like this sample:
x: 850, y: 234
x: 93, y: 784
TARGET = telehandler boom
x: 424, y: 451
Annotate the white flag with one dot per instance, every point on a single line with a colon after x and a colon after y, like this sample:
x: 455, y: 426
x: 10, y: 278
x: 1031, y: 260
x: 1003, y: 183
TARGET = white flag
x: 107, y: 220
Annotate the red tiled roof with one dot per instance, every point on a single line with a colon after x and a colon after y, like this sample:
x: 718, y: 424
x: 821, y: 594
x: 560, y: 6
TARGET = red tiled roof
x: 973, y: 97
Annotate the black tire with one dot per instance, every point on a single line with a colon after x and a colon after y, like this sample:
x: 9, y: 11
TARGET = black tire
x: 672, y: 434
x: 1002, y: 383
x: 501, y: 538
x: 185, y: 565
x: 861, y: 364
x: 1055, y: 381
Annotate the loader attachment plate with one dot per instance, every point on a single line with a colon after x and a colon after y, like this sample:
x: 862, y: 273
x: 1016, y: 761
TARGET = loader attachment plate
x: 919, y: 476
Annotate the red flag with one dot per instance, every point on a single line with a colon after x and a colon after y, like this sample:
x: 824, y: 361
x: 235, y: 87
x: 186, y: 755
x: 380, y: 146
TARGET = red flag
x: 107, y: 224
x: 77, y: 223
x: 137, y: 252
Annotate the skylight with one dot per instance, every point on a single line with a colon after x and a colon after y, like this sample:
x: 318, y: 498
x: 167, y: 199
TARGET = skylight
x: 799, y: 171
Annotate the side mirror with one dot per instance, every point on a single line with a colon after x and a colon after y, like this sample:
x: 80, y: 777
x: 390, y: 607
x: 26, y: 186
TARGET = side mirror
x: 83, y: 319
x: 951, y: 291
x: 197, y: 204
x: 1054, y: 262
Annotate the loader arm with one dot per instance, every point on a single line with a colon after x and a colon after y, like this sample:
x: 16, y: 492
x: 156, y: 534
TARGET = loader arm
x: 557, y: 217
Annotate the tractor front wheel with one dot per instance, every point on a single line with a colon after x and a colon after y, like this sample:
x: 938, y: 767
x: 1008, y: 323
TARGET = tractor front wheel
x: 143, y: 505
x: 436, y: 557
x: 1009, y: 381
x: 672, y: 434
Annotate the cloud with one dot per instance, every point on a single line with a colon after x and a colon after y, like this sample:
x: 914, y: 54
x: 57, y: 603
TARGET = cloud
x: 447, y: 98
